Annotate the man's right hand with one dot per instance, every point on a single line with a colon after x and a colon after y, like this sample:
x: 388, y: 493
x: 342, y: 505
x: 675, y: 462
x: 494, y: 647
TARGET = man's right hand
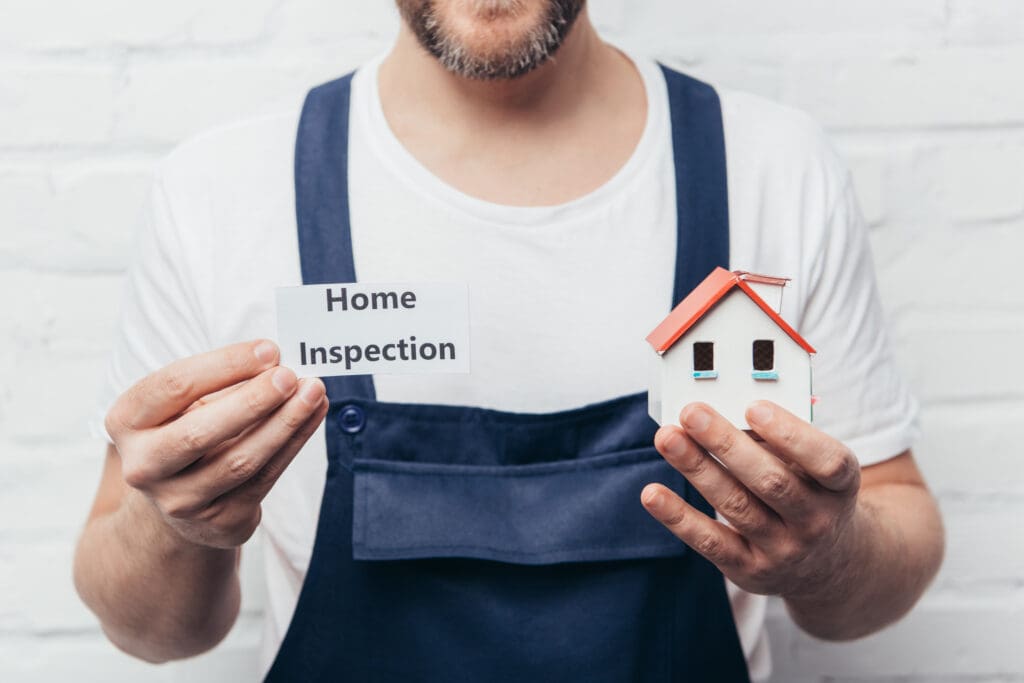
x: 205, y: 438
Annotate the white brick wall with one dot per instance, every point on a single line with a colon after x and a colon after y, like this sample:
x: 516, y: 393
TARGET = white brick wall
x: 924, y: 97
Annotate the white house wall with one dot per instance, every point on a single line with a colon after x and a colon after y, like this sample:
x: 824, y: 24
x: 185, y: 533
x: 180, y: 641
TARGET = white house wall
x: 772, y: 294
x: 732, y: 325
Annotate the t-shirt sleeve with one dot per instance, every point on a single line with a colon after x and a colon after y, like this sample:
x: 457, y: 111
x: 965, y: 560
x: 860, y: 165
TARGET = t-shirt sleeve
x: 863, y: 400
x: 161, y: 316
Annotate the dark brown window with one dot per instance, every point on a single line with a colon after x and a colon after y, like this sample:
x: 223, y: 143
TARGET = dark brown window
x: 703, y: 356
x: 764, y: 355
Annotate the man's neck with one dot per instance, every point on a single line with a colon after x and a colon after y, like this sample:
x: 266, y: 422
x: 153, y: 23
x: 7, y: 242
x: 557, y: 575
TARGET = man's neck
x: 545, y: 138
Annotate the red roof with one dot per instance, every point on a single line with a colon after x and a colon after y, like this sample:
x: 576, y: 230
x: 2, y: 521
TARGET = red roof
x: 704, y: 296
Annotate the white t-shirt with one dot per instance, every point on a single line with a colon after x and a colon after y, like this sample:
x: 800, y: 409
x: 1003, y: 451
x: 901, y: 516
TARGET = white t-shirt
x: 222, y: 236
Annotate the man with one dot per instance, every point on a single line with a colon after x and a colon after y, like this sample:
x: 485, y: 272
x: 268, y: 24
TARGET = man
x: 576, y: 190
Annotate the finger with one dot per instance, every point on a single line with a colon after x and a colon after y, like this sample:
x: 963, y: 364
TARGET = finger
x: 732, y: 500
x: 259, y: 486
x: 214, y: 477
x: 216, y: 396
x: 718, y: 543
x: 765, y: 475
x: 183, y: 441
x: 826, y: 460
x: 169, y: 391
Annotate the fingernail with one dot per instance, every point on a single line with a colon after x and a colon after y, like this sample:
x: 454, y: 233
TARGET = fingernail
x: 283, y: 380
x: 670, y: 439
x: 650, y: 497
x: 265, y: 352
x: 312, y: 392
x: 697, y: 419
x: 760, y: 413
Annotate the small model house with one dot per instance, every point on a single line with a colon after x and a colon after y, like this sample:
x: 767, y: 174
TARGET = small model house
x: 726, y: 345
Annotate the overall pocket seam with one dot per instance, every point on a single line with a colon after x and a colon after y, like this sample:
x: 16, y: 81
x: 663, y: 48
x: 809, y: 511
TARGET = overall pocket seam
x: 599, y: 462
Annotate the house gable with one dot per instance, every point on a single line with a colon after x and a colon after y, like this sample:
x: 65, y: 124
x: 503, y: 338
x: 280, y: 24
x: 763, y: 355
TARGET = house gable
x: 704, y: 298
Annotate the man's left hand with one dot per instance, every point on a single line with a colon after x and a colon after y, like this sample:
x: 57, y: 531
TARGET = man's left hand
x: 790, y: 500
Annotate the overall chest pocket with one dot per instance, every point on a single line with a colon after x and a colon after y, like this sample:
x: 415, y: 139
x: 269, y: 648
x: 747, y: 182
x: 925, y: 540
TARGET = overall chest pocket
x: 513, y: 488
x: 578, y: 511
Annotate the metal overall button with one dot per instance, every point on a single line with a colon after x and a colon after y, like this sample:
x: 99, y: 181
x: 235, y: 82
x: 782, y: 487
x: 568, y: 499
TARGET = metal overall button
x: 351, y: 419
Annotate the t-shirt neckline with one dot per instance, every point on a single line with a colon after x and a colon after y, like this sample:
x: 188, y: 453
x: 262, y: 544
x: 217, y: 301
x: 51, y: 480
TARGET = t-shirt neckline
x: 419, y: 178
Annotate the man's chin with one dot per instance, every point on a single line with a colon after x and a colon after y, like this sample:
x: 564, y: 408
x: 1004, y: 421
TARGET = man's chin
x: 492, y: 10
x: 490, y: 35
x: 490, y: 39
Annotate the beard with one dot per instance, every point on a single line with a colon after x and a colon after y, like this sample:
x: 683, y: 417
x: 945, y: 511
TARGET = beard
x: 508, y: 56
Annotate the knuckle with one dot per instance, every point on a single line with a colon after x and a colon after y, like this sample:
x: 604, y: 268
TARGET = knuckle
x: 175, y: 385
x: 264, y: 475
x: 789, y: 436
x: 238, y: 524
x: 791, y: 552
x: 253, y: 522
x: 761, y: 530
x: 255, y: 400
x: 725, y: 444
x: 200, y: 402
x: 243, y: 466
x: 819, y: 526
x: 839, y: 467
x: 737, y: 505
x: 211, y: 513
x: 180, y: 507
x: 694, y: 463
x: 195, y: 436
x: 709, y: 544
x: 291, y: 420
x: 135, y: 475
x: 757, y: 527
x: 762, y: 572
x: 774, y: 485
x: 675, y: 519
x: 245, y: 528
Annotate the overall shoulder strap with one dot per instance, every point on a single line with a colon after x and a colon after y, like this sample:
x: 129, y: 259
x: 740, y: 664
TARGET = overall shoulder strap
x: 321, y: 185
x: 321, y: 202
x: 702, y: 192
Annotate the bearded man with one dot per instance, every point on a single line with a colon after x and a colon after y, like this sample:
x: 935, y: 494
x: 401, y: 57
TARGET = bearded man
x: 528, y: 521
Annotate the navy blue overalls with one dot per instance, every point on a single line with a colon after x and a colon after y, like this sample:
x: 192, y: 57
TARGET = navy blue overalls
x: 464, y: 544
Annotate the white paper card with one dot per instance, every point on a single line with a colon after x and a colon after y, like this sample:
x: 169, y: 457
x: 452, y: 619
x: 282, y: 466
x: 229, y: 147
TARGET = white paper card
x: 374, y: 328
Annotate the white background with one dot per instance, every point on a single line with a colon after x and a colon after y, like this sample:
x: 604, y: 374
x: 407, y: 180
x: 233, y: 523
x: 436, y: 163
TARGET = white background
x: 925, y: 98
